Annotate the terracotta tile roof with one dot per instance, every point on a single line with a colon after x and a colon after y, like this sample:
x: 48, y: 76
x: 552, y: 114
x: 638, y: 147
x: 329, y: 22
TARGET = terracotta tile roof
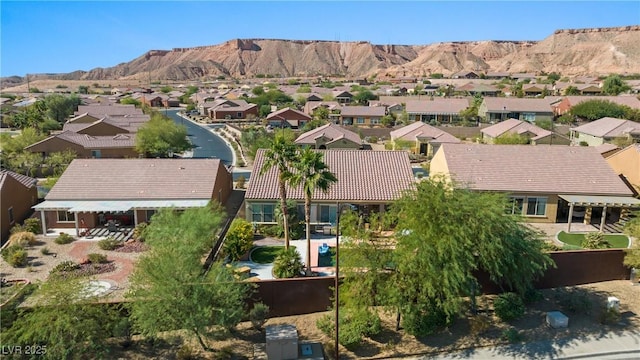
x: 517, y: 104
x: 537, y: 169
x: 99, y: 142
x: 25, y: 180
x: 363, y: 111
x: 437, y: 106
x: 375, y: 176
x: 288, y: 114
x: 630, y: 101
x: 108, y: 109
x: 421, y: 130
x: 517, y: 127
x: 331, y: 131
x: 144, y: 179
x: 608, y: 127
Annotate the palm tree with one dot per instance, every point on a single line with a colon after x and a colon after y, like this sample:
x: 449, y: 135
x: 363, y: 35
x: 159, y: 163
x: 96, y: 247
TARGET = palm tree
x: 282, y: 156
x: 312, y: 173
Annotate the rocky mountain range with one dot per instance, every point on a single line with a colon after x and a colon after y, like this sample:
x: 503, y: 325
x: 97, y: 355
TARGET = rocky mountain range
x: 596, y: 51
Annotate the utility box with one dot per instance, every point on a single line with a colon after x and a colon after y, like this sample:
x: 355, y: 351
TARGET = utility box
x: 282, y: 342
x: 556, y: 319
x: 613, y: 303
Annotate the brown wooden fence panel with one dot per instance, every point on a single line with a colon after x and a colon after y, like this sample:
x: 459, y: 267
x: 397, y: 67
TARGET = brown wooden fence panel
x: 299, y: 296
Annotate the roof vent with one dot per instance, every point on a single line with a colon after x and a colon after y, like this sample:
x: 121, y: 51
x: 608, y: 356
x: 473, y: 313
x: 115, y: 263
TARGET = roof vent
x: 181, y: 168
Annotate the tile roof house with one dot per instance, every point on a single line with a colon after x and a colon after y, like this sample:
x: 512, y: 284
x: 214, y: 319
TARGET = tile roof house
x: 342, y: 96
x: 494, y: 109
x: 87, y: 146
x: 362, y: 115
x: 544, y: 182
x: 535, y: 134
x: 330, y: 136
x: 117, y: 110
x: 605, y: 130
x: 436, y: 110
x: 18, y: 193
x: 568, y: 102
x: 106, y: 125
x: 626, y: 163
x: 288, y: 117
x: 230, y: 109
x: 426, y: 139
x: 130, y: 190
x: 367, y: 179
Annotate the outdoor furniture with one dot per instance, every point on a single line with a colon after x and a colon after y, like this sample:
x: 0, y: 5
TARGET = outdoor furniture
x: 112, y: 226
x: 323, y: 249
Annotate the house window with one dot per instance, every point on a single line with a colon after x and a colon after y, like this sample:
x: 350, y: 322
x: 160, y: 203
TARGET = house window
x: 536, y: 206
x: 360, y: 120
x: 530, y: 117
x: 328, y: 214
x: 375, y: 120
x: 11, y: 218
x: 96, y: 154
x: 65, y: 216
x: 239, y: 115
x: 516, y: 205
x: 262, y: 213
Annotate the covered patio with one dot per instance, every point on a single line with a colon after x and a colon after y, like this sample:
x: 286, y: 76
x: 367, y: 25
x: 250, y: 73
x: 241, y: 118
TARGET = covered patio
x: 110, y: 216
x: 623, y: 203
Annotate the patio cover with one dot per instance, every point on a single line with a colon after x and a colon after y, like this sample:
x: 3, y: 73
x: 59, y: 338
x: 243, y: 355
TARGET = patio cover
x: 116, y: 205
x: 609, y: 201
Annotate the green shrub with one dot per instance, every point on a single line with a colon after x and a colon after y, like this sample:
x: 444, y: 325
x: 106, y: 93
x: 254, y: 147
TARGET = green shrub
x: 109, y: 244
x: 45, y: 251
x: 33, y: 225
x: 15, y: 255
x: 508, y: 306
x: 64, y: 238
x: 258, y: 315
x: 186, y: 353
x: 241, y: 180
x: 532, y: 295
x: 95, y: 258
x: 138, y: 232
x: 512, y: 335
x: 239, y: 239
x: 423, y: 322
x: 595, y: 240
x: 609, y: 316
x: 23, y: 238
x: 355, y: 324
x: 65, y: 266
x: 574, y: 301
x: 288, y: 264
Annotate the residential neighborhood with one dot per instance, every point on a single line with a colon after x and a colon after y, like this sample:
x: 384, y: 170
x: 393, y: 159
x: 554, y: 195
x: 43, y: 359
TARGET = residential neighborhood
x: 218, y: 207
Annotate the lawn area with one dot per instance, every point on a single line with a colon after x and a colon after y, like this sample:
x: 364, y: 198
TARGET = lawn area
x: 575, y: 239
x: 266, y: 254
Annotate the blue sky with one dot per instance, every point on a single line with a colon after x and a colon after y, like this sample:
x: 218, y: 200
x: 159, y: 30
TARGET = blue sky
x: 58, y: 37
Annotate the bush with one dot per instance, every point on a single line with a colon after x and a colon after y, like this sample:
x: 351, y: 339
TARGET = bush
x: 532, y: 295
x: 138, y: 232
x: 186, y: 353
x: 574, y: 301
x: 609, y: 316
x: 109, y: 244
x: 65, y: 266
x: 33, y: 225
x: 508, y: 306
x: 423, y: 322
x: 64, y: 238
x: 258, y: 315
x: 23, y: 238
x: 288, y: 264
x: 512, y: 335
x: 45, y: 251
x: 15, y: 255
x: 239, y: 239
x: 95, y: 258
x: 355, y: 324
x: 595, y: 240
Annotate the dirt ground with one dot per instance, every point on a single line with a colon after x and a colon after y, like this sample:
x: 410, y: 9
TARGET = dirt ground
x: 391, y: 343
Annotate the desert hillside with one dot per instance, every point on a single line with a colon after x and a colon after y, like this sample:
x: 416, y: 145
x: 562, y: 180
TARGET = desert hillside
x: 573, y: 52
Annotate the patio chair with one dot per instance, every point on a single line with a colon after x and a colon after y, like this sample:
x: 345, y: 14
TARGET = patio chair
x: 112, y: 227
x: 323, y: 249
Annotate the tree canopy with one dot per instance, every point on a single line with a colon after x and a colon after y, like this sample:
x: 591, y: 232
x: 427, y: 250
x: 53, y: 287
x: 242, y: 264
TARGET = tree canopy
x: 168, y: 288
x: 160, y: 136
x: 597, y: 109
x: 614, y: 85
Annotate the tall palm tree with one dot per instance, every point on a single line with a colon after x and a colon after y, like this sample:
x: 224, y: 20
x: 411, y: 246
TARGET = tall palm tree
x: 281, y: 155
x: 312, y: 173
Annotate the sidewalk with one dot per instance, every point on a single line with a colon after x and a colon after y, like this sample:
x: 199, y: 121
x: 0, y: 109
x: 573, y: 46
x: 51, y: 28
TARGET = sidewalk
x: 611, y: 345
